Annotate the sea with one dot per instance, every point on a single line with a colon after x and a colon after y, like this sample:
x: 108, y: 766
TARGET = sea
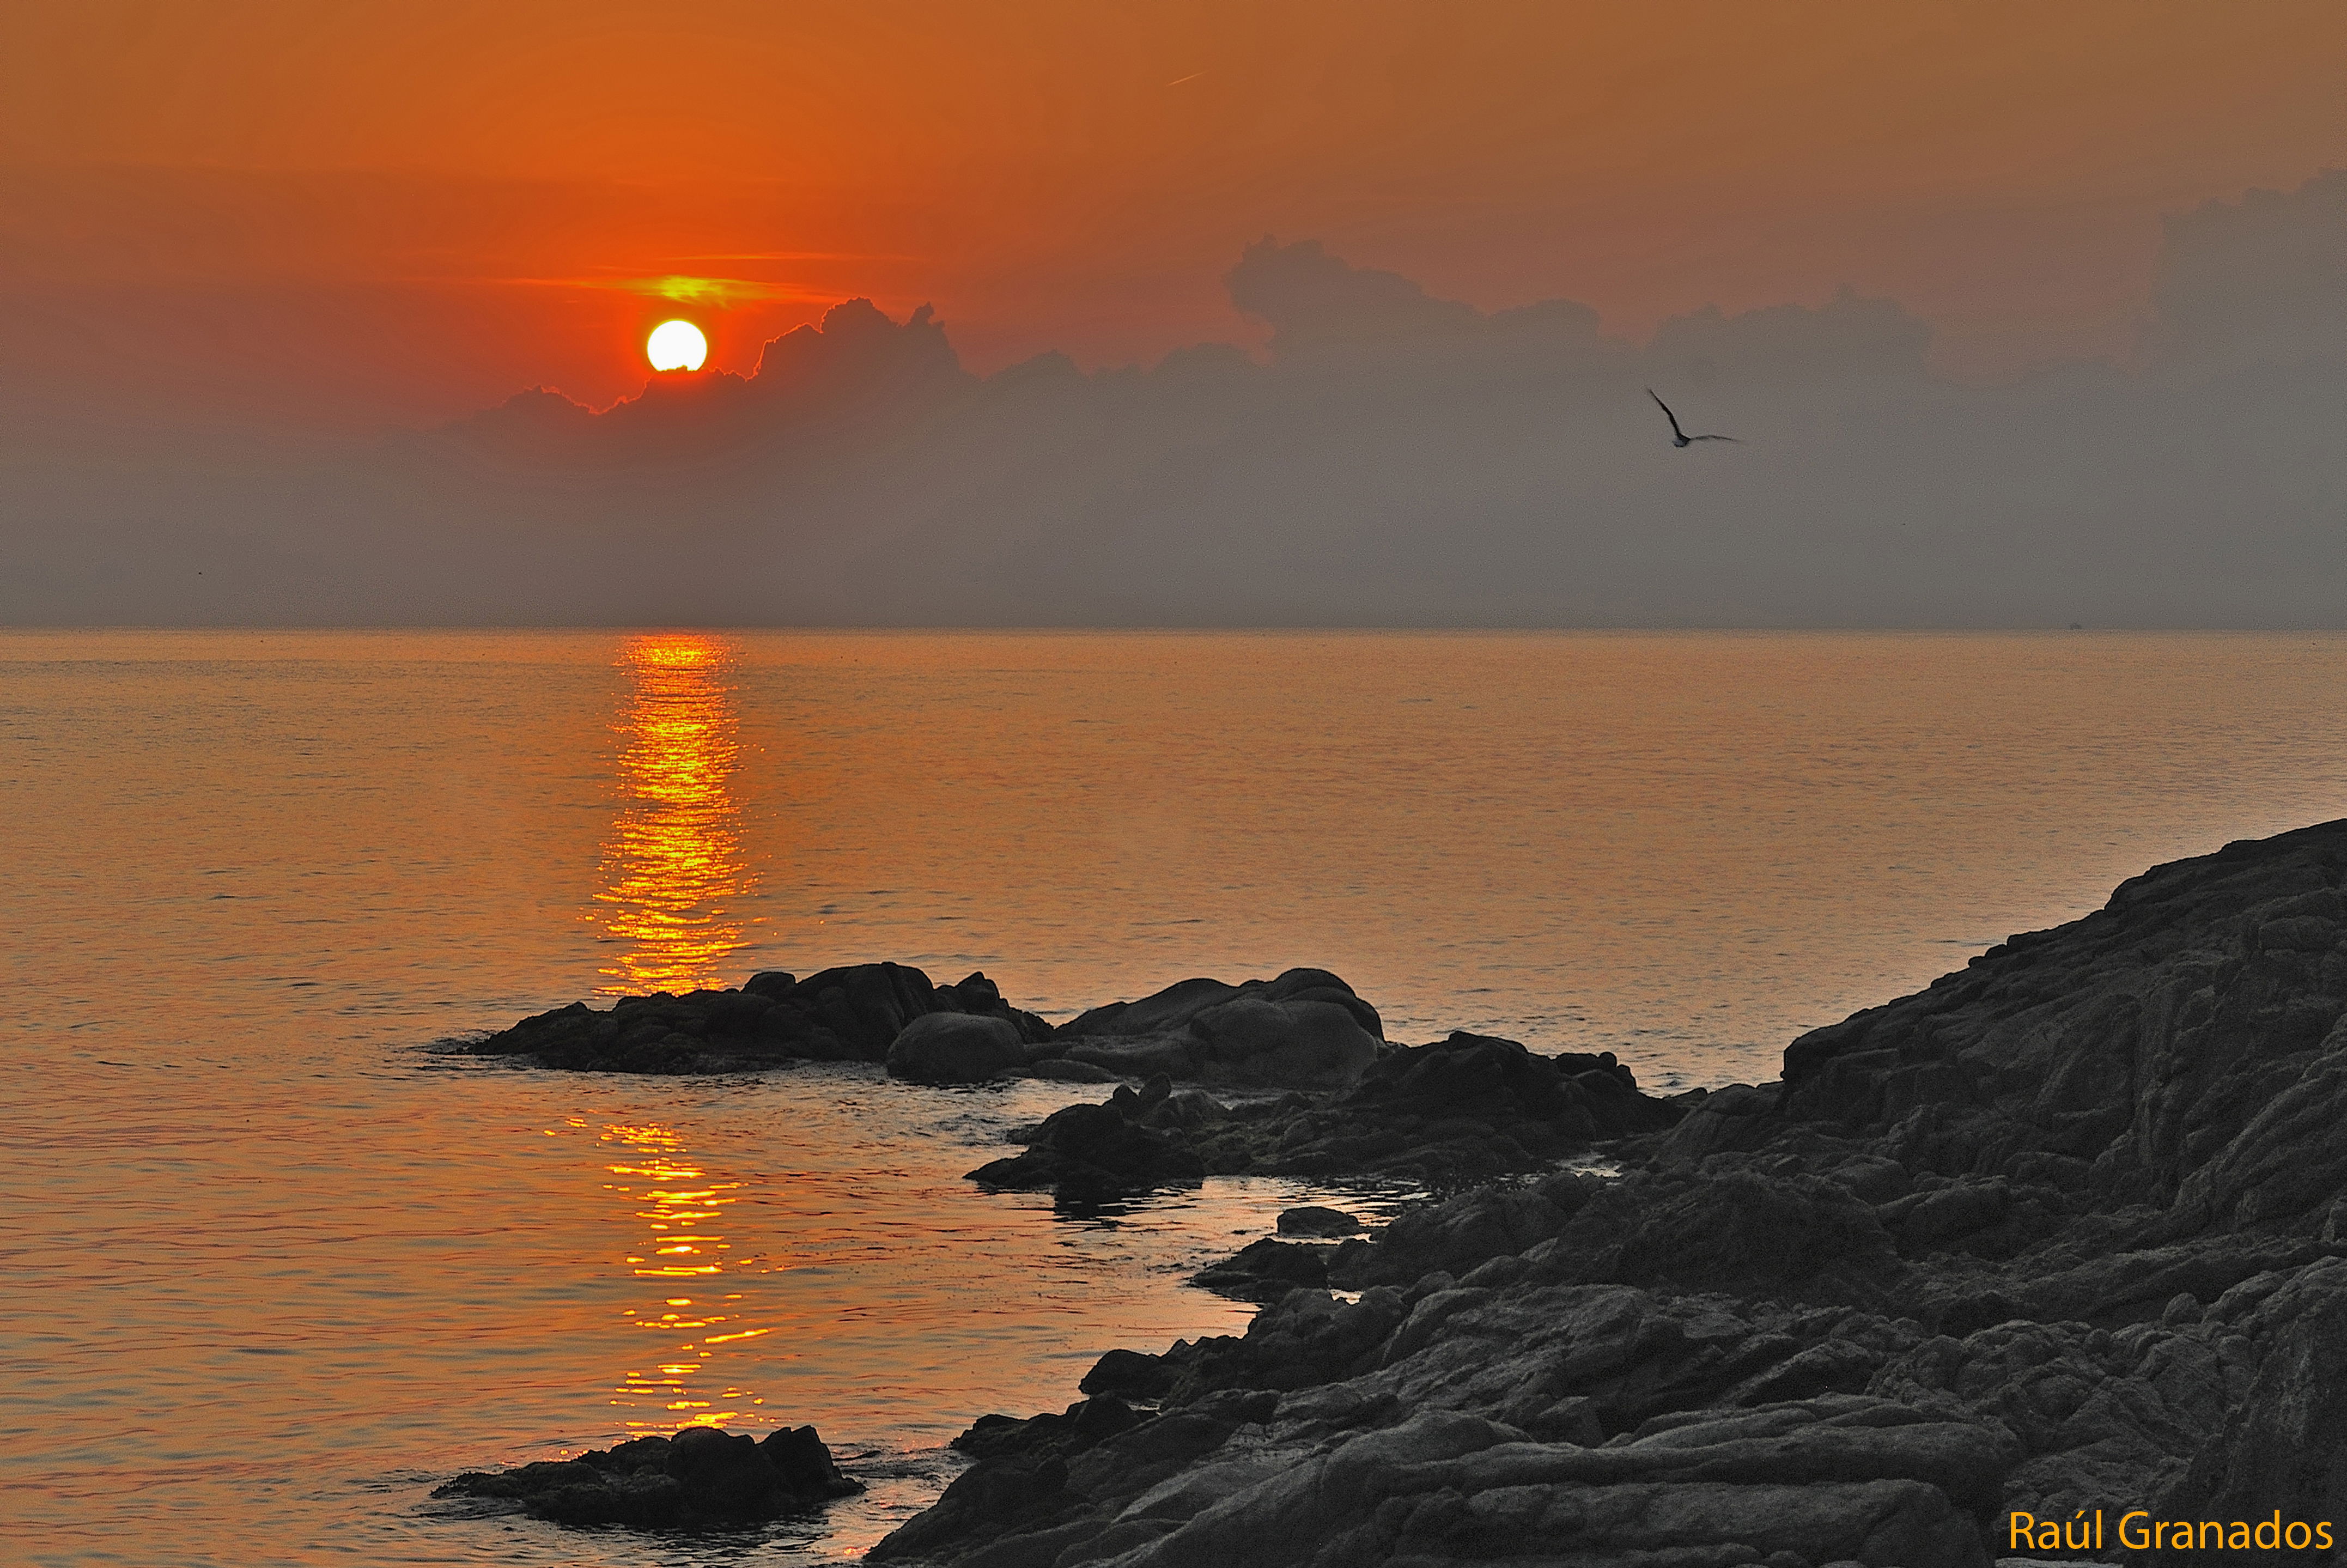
x: 277, y: 1262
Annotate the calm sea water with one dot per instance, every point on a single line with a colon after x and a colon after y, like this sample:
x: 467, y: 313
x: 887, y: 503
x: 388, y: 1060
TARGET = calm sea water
x: 275, y: 1267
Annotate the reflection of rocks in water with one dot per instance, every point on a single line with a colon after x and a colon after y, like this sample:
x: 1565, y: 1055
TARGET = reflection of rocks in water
x: 673, y: 867
x: 700, y: 1478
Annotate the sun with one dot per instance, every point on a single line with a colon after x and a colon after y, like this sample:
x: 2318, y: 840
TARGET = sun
x: 676, y: 345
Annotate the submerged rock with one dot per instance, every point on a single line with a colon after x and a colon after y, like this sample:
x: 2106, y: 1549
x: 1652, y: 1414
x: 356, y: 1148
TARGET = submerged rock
x: 700, y: 1478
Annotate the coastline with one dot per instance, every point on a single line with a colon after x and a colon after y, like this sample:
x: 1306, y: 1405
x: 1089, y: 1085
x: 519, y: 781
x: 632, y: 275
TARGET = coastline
x: 2057, y: 1233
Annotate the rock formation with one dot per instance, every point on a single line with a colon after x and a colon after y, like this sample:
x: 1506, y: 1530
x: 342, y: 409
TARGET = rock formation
x: 850, y: 1014
x: 2064, y: 1236
x: 700, y: 1478
x: 1100, y: 1151
x: 1467, y: 1109
x: 956, y: 1048
x: 1305, y: 1030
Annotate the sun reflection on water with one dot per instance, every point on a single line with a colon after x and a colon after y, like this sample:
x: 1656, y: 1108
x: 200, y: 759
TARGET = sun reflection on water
x: 694, y: 1319
x: 673, y: 867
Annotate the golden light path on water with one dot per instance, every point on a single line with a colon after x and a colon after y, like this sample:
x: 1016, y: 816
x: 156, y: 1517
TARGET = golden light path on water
x: 673, y: 873
x: 679, y: 1203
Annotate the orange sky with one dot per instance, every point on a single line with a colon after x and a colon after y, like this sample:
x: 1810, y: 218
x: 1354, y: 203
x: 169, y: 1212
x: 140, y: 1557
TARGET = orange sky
x: 396, y: 212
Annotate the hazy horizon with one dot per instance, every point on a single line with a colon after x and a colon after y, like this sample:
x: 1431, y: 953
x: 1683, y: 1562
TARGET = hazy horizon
x: 2056, y: 335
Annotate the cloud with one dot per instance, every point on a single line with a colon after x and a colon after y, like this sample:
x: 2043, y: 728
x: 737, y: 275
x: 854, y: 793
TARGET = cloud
x: 1396, y: 459
x: 1315, y: 302
x: 1849, y: 340
x: 2262, y: 278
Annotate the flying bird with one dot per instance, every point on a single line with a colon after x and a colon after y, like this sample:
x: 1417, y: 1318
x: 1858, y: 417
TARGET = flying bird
x: 1678, y: 436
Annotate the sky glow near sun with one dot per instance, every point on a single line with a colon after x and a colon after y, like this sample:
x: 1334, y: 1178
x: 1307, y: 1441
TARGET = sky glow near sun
x: 464, y: 201
x: 676, y: 345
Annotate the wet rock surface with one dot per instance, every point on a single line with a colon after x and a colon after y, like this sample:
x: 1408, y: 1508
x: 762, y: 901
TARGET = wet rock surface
x: 2067, y: 1230
x: 702, y: 1478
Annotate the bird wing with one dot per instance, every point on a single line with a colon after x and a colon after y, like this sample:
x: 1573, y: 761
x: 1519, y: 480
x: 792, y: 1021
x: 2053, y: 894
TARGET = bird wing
x: 1667, y: 413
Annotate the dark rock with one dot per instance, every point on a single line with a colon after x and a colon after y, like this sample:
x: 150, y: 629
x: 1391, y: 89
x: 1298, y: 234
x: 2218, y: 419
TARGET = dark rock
x: 1306, y: 1027
x: 1016, y: 1505
x: 1464, y: 1232
x: 1266, y: 1270
x: 1468, y: 1109
x: 727, y: 1476
x: 1313, y: 1220
x: 2175, y: 1041
x: 850, y: 1014
x: 1061, y: 1070
x: 2282, y: 1445
x: 1170, y: 1010
x: 1738, y: 1117
x: 1009, y: 1496
x: 2064, y: 1230
x: 1303, y: 1041
x: 2110, y: 1287
x: 1102, y: 1417
x: 1768, y: 1238
x: 700, y: 1478
x: 799, y: 1456
x: 1324, y: 1414
x: 954, y: 1048
x: 1099, y: 1151
x: 1128, y: 1373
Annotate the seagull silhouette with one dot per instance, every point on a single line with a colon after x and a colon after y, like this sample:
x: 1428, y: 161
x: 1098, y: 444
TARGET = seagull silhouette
x: 1678, y: 436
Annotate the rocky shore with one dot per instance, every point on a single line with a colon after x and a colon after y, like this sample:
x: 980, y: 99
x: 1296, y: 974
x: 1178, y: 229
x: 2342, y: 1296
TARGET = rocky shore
x: 2037, y: 1262
x: 2064, y: 1236
x: 1291, y: 1076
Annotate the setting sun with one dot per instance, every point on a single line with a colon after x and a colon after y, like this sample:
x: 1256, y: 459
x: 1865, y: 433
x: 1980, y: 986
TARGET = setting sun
x: 676, y: 345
